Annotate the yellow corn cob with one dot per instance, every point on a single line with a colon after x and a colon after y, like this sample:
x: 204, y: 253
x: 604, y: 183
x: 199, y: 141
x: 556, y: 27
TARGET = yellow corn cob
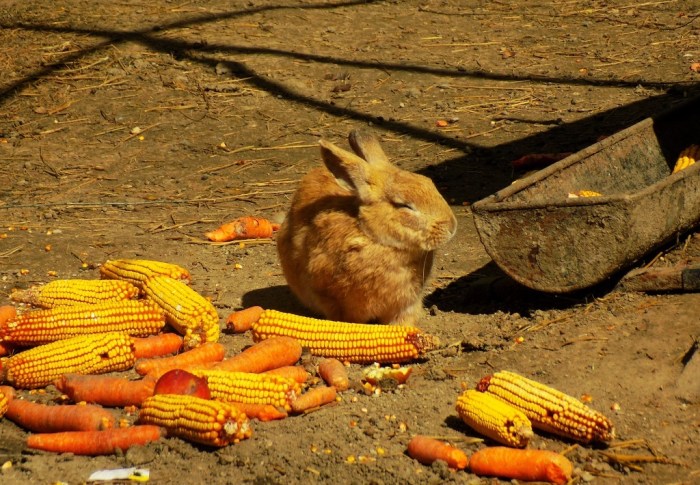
x: 192, y: 315
x: 249, y: 388
x: 549, y: 409
x: 137, y: 271
x: 195, y: 419
x: 134, y: 317
x: 494, y: 418
x: 687, y: 157
x: 4, y: 403
x: 75, y: 292
x: 351, y: 342
x: 87, y: 354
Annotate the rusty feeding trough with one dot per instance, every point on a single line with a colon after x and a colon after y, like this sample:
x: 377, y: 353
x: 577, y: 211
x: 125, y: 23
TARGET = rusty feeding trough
x: 548, y: 240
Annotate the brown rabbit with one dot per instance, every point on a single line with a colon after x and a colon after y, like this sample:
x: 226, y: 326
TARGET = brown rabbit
x: 359, y: 239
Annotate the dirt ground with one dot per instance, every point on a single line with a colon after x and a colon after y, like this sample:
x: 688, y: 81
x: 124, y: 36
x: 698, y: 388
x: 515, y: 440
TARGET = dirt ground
x: 128, y: 129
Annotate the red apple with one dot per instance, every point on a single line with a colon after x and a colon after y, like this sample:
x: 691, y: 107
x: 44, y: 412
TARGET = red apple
x: 178, y: 381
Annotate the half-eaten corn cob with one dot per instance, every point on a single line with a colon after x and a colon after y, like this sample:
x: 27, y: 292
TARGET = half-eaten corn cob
x: 75, y: 292
x: 188, y: 312
x: 135, y: 317
x: 549, y: 410
x: 494, y: 418
x: 250, y: 388
x: 203, y: 421
x: 351, y: 342
x: 687, y: 157
x: 86, y: 354
x: 137, y: 271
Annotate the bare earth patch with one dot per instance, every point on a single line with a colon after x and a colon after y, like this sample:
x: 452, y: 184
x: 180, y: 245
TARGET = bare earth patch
x: 128, y: 129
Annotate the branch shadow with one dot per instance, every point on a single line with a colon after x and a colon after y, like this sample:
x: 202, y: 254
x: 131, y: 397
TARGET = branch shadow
x: 453, y: 176
x: 479, y: 172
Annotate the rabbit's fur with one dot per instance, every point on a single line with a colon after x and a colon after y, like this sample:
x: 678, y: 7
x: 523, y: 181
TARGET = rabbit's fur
x: 359, y: 239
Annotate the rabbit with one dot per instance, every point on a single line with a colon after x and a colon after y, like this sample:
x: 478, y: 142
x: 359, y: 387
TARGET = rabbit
x: 358, y: 242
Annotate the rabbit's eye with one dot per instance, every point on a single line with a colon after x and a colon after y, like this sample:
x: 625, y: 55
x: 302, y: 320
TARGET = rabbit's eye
x: 402, y: 205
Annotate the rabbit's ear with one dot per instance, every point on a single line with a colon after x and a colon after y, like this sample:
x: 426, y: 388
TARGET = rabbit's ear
x: 350, y: 171
x: 367, y: 147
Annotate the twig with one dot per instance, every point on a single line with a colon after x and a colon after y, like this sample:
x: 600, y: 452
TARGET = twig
x: 10, y: 252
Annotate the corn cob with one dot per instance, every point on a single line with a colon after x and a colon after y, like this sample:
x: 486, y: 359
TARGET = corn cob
x: 134, y: 317
x: 188, y: 312
x: 86, y: 354
x: 137, y: 271
x: 75, y: 292
x: 203, y: 421
x: 549, y: 409
x: 687, y: 157
x: 4, y: 403
x: 351, y: 342
x: 494, y: 418
x: 250, y: 388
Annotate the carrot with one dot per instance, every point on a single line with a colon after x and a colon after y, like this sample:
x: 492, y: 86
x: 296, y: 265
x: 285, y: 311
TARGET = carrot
x: 157, y: 345
x: 295, y: 372
x: 7, y: 313
x: 535, y: 160
x: 43, y: 418
x: 527, y: 465
x: 261, y: 412
x: 334, y: 373
x: 208, y: 352
x: 247, y: 227
x: 267, y: 354
x: 95, y: 442
x: 316, y: 397
x: 427, y: 450
x: 241, y: 320
x: 109, y: 391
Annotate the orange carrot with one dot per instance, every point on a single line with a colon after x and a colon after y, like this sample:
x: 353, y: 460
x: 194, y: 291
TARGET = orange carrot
x: 261, y: 412
x: 7, y: 313
x: 157, y: 345
x: 267, y: 354
x: 527, y: 465
x: 241, y: 320
x: 334, y: 373
x: 295, y: 372
x: 314, y: 398
x: 208, y: 352
x: 94, y: 443
x: 427, y: 450
x: 247, y: 227
x: 43, y: 418
x: 106, y: 390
